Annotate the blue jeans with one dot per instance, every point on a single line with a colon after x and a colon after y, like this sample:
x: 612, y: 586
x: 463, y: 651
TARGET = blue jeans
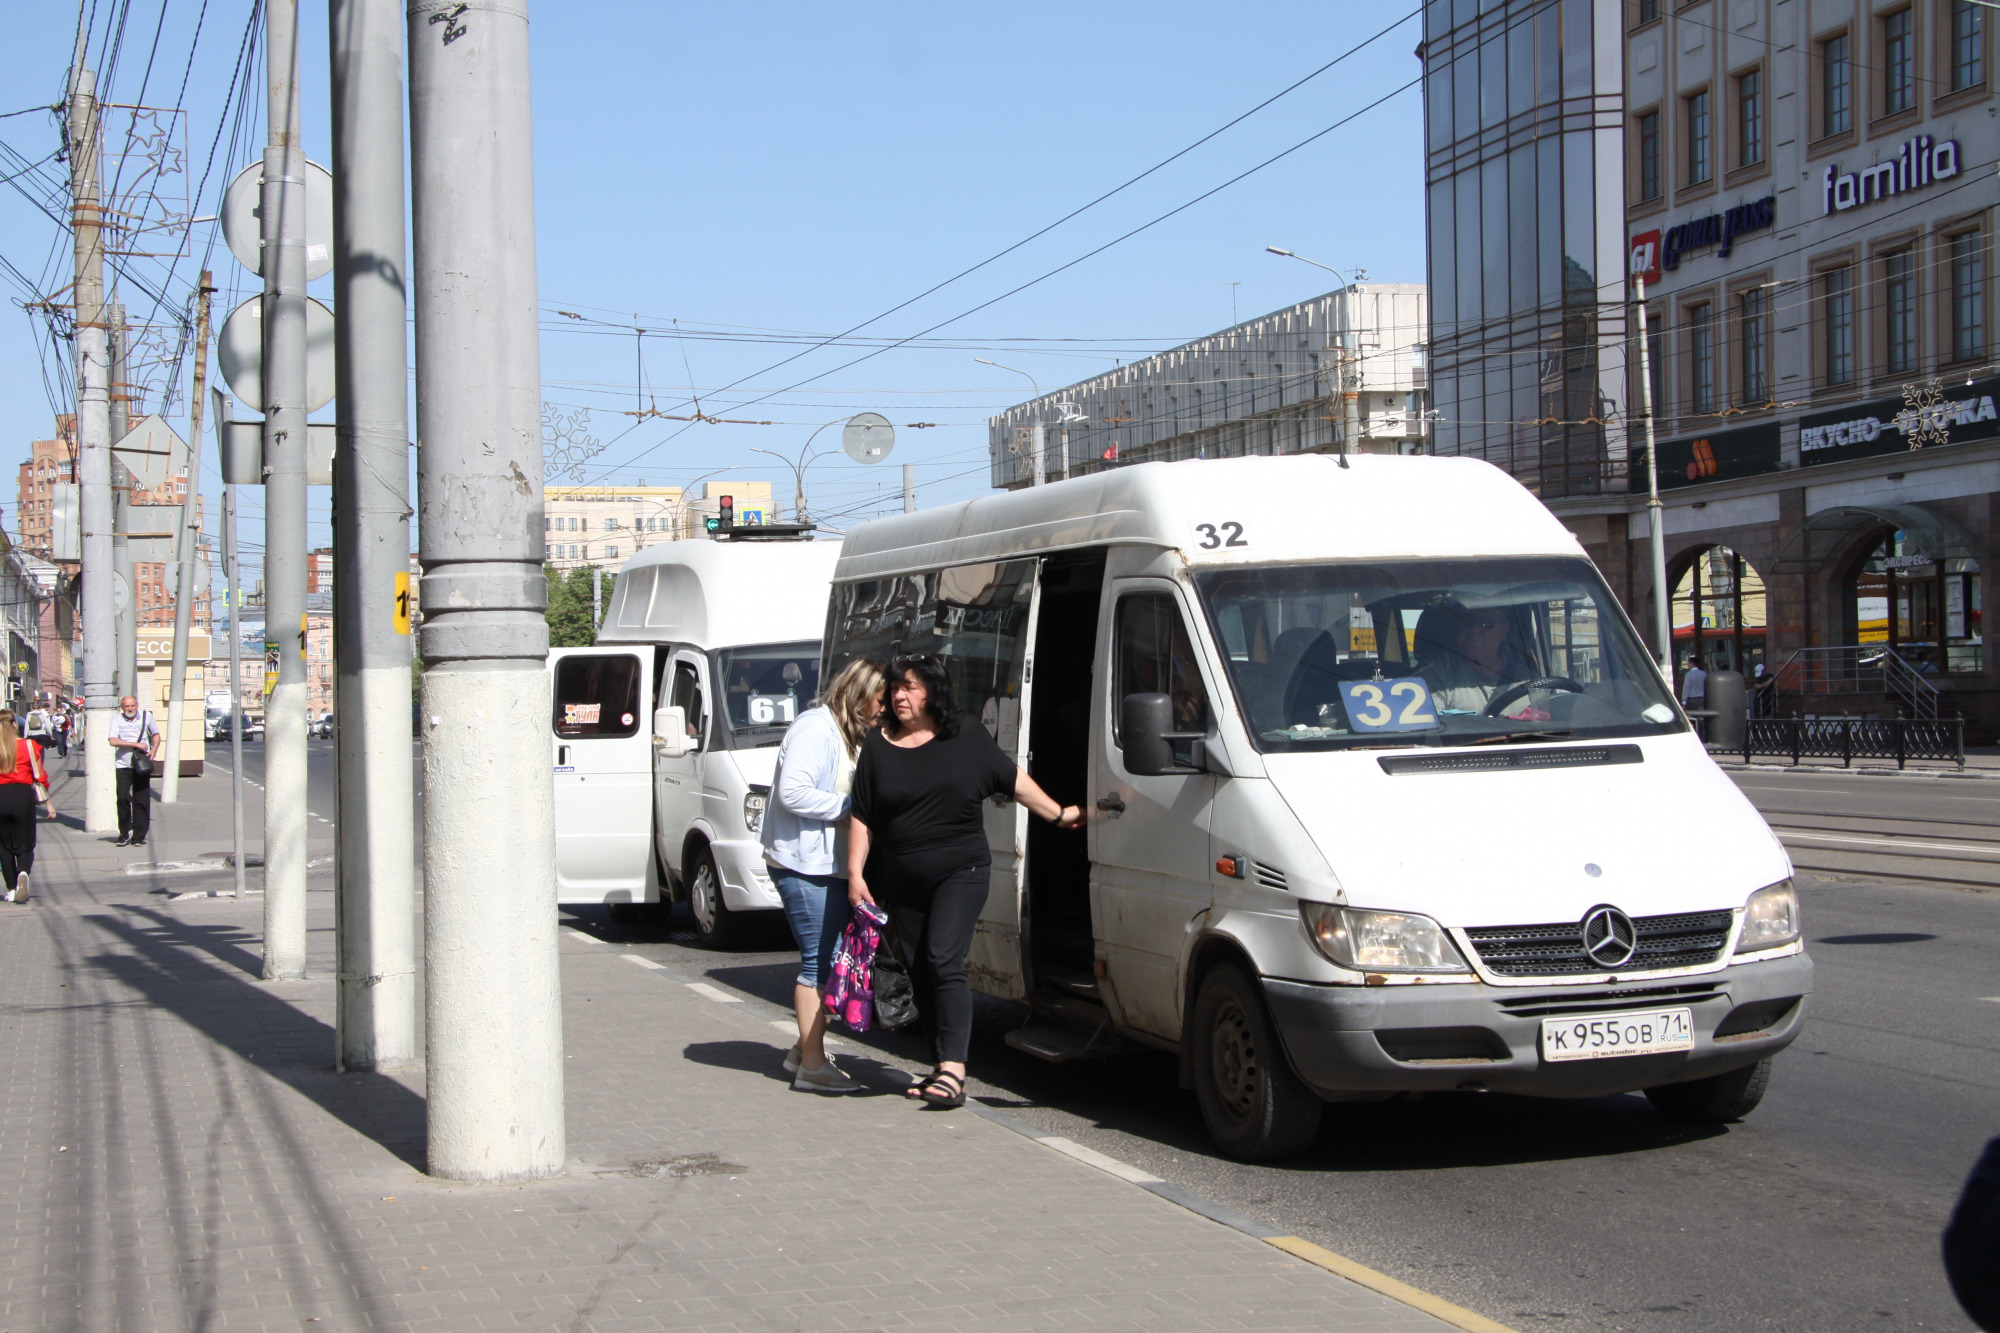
x: 816, y: 907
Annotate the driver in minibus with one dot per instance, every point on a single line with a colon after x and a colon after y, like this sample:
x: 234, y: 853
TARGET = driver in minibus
x: 1464, y: 655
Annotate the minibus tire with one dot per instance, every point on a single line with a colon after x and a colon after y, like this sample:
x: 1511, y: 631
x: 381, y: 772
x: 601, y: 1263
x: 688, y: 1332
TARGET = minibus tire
x: 715, y: 926
x: 1716, y: 1100
x: 1255, y: 1107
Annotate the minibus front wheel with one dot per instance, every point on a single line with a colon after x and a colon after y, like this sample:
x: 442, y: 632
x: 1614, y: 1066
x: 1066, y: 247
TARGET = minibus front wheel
x: 1254, y: 1106
x: 1714, y: 1100
x: 715, y: 926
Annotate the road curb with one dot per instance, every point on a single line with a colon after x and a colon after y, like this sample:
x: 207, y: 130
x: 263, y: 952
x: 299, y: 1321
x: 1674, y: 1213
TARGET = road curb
x: 1361, y: 1275
x: 1967, y: 775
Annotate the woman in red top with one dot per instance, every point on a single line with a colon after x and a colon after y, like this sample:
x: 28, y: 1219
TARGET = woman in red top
x: 20, y: 770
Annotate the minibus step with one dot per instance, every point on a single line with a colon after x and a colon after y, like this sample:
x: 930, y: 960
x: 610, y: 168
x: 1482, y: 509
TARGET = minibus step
x: 1060, y: 1045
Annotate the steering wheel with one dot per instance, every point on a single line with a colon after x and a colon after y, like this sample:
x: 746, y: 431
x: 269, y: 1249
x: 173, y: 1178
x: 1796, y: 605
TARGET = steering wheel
x: 1521, y: 689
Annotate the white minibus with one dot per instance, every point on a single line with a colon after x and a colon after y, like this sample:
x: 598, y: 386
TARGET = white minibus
x: 664, y: 735
x: 1385, y: 794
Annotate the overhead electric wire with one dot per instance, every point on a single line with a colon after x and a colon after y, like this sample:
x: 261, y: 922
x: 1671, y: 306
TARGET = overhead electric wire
x: 1145, y: 226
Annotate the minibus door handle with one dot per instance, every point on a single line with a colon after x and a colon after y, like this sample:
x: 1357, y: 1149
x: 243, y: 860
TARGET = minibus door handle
x: 562, y: 756
x: 1112, y: 805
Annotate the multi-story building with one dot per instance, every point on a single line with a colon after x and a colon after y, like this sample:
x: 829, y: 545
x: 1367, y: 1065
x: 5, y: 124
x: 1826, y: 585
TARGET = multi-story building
x: 604, y: 525
x: 1305, y: 379
x: 50, y: 463
x: 319, y: 570
x: 1805, y: 187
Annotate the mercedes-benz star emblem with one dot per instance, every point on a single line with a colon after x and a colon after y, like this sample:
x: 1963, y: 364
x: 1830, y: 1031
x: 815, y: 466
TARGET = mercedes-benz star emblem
x: 1609, y: 937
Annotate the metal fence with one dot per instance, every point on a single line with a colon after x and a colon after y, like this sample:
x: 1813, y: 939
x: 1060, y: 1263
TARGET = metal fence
x: 1865, y: 668
x: 1850, y: 738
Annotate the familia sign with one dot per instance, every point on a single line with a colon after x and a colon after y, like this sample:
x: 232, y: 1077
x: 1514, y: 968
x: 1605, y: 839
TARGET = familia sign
x: 1652, y: 251
x: 1888, y: 425
x: 1919, y: 162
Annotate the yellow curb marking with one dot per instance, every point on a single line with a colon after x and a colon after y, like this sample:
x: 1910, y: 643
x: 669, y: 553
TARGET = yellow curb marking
x: 1361, y: 1275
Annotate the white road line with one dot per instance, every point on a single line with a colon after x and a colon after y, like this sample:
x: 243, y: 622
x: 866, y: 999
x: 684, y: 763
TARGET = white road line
x: 1092, y: 1157
x: 784, y: 1025
x: 1970, y: 848
x: 708, y: 992
x: 646, y: 963
x: 587, y: 939
x: 1989, y: 999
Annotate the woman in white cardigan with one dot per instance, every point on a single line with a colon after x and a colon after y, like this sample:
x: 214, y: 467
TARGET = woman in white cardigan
x: 805, y: 841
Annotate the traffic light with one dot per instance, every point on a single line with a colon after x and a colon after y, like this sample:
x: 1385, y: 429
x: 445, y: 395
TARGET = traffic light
x: 725, y: 512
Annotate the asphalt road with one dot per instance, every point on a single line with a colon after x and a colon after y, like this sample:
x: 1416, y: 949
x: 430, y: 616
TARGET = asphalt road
x: 1820, y: 1211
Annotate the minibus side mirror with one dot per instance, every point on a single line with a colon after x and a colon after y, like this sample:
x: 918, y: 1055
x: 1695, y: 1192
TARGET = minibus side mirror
x: 670, y: 731
x: 1146, y: 732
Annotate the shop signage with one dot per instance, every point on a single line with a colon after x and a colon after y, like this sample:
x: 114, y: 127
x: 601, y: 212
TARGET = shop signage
x: 1918, y: 163
x: 1652, y: 251
x: 1863, y: 430
x: 1717, y: 456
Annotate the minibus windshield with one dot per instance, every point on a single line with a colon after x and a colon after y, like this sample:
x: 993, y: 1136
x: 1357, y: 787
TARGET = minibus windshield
x: 1432, y: 652
x: 764, y: 689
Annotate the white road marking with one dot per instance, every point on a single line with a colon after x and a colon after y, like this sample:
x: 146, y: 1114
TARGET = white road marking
x: 1788, y: 836
x: 1092, y: 1157
x: 708, y: 992
x: 646, y: 963
x: 587, y: 939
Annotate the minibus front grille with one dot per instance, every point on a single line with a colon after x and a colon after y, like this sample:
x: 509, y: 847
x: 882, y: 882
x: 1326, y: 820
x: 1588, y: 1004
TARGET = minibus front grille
x: 1664, y: 942
x: 1608, y: 1001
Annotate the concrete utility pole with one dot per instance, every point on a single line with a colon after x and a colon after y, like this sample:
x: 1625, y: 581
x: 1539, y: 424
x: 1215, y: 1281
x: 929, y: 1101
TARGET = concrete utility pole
x: 283, y: 226
x: 1039, y: 464
x: 127, y: 634
x: 597, y: 595
x: 375, y: 1019
x: 1663, y: 624
x: 184, y: 552
x: 492, y: 993
x: 235, y: 675
x: 93, y: 447
x: 909, y: 488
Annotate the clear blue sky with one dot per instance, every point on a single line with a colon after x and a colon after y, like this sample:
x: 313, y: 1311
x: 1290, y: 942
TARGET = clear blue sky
x: 758, y: 172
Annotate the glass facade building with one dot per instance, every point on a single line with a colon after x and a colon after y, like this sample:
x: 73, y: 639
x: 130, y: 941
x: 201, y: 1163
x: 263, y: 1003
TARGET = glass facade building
x: 1525, y: 174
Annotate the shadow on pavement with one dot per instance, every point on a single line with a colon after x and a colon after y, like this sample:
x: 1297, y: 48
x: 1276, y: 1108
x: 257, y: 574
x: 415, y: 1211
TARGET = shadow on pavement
x: 167, y: 967
x: 755, y: 1057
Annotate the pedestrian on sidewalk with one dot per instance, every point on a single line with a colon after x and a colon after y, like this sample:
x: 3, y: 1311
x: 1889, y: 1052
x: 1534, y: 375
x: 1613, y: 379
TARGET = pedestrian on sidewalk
x: 21, y: 773
x: 38, y: 725
x: 804, y: 832
x: 133, y: 734
x: 63, y: 726
x: 918, y: 830
x: 1694, y: 687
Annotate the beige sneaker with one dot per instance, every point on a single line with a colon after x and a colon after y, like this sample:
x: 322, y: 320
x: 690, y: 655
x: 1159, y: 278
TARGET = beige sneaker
x: 20, y: 894
x: 826, y: 1078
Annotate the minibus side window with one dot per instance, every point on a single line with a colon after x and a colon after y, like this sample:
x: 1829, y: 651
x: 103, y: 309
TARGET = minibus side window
x: 687, y: 698
x: 597, y: 697
x: 1155, y: 656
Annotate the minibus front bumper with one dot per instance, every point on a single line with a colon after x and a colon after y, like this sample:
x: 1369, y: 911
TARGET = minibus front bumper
x: 746, y: 880
x: 1349, y: 1041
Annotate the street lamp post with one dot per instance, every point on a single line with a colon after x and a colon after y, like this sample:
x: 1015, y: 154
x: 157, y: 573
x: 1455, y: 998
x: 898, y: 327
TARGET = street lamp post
x: 799, y: 468
x: 1037, y: 470
x: 1350, y: 397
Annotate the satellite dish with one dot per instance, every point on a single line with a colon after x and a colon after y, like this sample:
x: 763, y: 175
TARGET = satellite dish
x: 868, y: 438
x: 239, y: 350
x: 243, y: 228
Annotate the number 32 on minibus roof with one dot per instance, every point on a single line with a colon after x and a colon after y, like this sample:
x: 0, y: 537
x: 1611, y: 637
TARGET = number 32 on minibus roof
x: 1389, y: 705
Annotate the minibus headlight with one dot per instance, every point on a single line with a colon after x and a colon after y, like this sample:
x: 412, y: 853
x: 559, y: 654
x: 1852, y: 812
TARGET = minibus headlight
x: 1770, y: 918
x: 1380, y: 941
x: 753, y: 811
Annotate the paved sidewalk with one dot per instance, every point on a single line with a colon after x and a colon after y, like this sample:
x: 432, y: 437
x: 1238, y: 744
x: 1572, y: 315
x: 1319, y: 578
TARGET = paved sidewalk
x: 178, y: 1154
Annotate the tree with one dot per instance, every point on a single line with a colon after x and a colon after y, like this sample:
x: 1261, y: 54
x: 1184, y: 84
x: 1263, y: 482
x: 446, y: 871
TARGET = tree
x: 570, y: 623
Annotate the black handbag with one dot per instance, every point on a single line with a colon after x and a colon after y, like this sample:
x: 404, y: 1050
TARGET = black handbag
x: 142, y: 760
x: 895, y: 995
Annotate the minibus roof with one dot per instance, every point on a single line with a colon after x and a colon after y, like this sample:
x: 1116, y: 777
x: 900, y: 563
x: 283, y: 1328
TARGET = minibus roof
x: 1298, y: 508
x: 722, y: 594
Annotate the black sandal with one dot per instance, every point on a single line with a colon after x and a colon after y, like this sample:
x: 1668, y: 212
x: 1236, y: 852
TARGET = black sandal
x: 915, y: 1091
x: 934, y: 1097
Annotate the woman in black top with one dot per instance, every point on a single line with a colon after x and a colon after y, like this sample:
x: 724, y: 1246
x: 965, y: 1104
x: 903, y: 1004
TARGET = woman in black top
x: 919, y: 831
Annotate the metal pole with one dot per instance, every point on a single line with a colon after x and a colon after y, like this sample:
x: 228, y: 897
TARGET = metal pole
x: 284, y: 232
x: 492, y: 993
x: 1037, y: 464
x: 127, y: 636
x: 376, y: 1012
x: 1663, y: 626
x: 184, y: 553
x: 93, y: 447
x: 597, y: 596
x: 909, y: 488
x: 235, y: 676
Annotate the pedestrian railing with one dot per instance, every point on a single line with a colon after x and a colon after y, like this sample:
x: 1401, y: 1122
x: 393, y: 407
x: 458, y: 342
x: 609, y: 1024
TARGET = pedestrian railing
x: 1849, y: 738
x: 1860, y: 668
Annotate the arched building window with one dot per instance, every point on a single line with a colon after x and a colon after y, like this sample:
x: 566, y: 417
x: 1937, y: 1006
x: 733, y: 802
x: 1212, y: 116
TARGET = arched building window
x: 1924, y: 609
x: 1719, y: 613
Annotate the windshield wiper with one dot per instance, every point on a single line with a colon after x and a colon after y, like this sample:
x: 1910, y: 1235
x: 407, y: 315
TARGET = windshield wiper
x: 1515, y: 737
